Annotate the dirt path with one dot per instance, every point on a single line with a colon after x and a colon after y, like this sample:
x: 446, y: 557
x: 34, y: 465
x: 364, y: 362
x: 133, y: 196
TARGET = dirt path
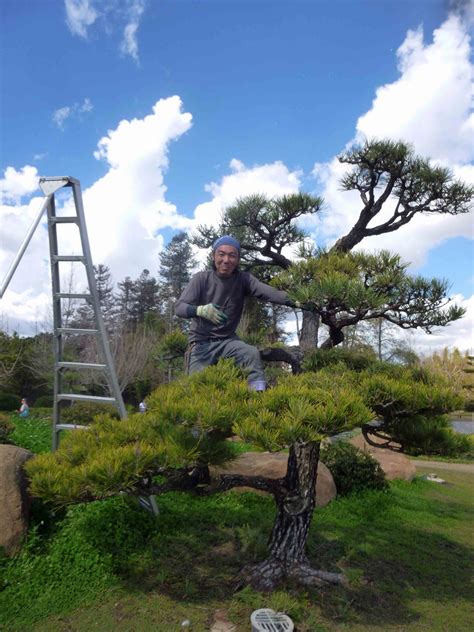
x: 444, y: 465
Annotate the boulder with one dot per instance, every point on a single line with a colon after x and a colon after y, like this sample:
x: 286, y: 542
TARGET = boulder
x: 14, y: 499
x: 394, y: 464
x: 273, y: 465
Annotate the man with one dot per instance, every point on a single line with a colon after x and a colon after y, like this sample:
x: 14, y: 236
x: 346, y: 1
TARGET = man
x: 214, y: 299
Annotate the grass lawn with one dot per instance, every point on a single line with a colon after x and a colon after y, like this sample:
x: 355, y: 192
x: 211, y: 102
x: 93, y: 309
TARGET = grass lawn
x: 111, y: 566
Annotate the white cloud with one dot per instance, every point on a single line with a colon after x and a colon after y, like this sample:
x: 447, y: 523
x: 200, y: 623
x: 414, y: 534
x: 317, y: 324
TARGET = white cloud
x: 458, y: 334
x: 428, y: 106
x: 272, y: 179
x: 129, y: 45
x: 74, y: 111
x: 109, y: 16
x: 124, y: 210
x: 61, y: 115
x: 80, y: 14
x: 17, y: 184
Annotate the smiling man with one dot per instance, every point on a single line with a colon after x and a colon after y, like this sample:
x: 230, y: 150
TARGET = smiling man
x: 214, y: 299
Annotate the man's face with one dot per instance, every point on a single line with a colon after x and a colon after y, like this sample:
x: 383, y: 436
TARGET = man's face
x: 226, y: 259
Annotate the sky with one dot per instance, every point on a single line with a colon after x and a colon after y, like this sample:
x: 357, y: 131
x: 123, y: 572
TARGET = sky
x: 167, y: 111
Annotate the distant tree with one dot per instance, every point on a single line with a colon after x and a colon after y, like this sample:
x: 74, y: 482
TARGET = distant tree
x: 176, y: 265
x: 125, y: 300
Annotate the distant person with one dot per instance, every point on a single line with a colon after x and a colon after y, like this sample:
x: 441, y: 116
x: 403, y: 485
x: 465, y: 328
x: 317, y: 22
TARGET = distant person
x: 214, y: 299
x: 142, y: 407
x: 24, y: 408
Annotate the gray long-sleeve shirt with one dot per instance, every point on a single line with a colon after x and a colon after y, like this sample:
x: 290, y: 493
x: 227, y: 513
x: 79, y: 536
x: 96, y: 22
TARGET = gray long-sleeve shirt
x: 228, y: 293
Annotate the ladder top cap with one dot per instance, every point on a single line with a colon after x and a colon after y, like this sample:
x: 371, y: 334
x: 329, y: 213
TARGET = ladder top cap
x: 50, y: 185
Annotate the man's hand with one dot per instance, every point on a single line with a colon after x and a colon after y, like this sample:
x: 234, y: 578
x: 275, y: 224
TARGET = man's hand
x: 212, y: 312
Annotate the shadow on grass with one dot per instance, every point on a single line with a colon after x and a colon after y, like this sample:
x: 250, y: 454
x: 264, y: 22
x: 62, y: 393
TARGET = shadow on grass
x: 396, y: 551
x: 396, y: 548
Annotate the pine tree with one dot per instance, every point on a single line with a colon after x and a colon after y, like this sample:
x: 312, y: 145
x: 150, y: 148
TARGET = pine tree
x: 176, y: 264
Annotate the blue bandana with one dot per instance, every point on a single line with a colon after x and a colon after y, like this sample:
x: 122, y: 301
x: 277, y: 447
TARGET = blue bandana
x: 226, y: 240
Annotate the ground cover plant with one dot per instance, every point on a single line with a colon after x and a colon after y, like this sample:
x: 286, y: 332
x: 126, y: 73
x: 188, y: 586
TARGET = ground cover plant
x: 33, y: 432
x: 112, y: 566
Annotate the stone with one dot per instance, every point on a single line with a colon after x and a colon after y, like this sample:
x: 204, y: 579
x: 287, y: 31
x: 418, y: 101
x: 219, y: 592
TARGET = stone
x: 394, y: 464
x: 14, y: 499
x: 221, y: 623
x: 273, y: 465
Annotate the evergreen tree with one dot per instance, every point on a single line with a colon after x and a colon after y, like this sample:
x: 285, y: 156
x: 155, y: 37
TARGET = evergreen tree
x: 176, y: 264
x: 125, y: 301
x: 145, y: 301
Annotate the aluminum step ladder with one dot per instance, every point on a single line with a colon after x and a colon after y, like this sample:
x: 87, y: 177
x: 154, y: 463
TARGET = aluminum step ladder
x: 49, y: 187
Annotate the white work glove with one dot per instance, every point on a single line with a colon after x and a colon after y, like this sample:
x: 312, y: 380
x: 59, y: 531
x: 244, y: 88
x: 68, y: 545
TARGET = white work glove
x: 212, y: 312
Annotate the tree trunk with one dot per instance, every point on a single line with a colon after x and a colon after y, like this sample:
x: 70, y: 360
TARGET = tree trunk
x: 287, y: 545
x: 309, y: 331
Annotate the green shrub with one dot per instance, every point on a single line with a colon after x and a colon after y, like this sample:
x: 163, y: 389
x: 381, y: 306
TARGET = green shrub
x: 6, y: 427
x: 83, y: 413
x: 355, y: 360
x: 430, y: 435
x: 352, y: 469
x: 44, y: 401
x: 9, y: 402
x: 469, y: 405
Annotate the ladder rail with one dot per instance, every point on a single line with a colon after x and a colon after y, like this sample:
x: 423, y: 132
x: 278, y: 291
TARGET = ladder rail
x: 23, y: 246
x: 50, y: 186
x: 103, y: 338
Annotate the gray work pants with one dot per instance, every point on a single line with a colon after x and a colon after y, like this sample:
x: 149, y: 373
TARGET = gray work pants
x: 204, y: 354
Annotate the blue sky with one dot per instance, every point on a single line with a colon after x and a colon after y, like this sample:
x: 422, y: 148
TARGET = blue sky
x: 166, y: 110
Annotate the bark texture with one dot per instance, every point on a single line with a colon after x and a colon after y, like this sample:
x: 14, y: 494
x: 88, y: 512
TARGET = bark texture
x: 296, y: 500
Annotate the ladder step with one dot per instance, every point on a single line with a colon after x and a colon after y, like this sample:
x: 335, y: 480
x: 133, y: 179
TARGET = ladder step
x: 59, y: 258
x: 69, y: 426
x: 72, y: 330
x: 64, y: 220
x: 73, y: 397
x: 80, y: 365
x: 68, y: 295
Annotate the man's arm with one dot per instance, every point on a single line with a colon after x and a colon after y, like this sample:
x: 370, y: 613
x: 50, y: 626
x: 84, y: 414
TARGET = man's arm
x: 267, y: 292
x: 186, y: 305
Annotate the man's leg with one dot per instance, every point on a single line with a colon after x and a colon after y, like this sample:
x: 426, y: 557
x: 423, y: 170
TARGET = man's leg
x: 200, y: 357
x: 247, y: 357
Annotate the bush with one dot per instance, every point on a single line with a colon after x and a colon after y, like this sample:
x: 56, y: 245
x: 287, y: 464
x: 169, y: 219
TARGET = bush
x: 9, y: 402
x: 6, y: 427
x: 430, y: 435
x: 44, y: 401
x: 83, y: 413
x: 355, y: 360
x: 353, y: 470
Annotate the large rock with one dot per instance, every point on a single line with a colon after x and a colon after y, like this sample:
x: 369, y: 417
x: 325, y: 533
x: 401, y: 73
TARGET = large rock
x: 273, y: 465
x: 394, y: 464
x: 14, y: 500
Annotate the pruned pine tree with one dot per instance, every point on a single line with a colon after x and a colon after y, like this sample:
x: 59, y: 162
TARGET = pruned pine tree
x: 383, y: 170
x: 346, y: 288
x: 185, y: 431
x: 176, y: 265
x: 388, y: 175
